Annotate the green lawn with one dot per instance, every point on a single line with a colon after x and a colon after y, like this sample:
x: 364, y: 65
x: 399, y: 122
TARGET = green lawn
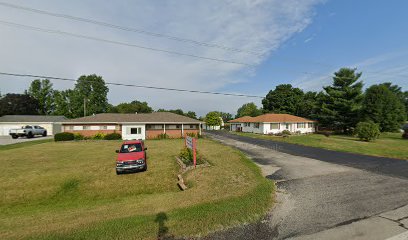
x: 388, y: 145
x: 69, y: 190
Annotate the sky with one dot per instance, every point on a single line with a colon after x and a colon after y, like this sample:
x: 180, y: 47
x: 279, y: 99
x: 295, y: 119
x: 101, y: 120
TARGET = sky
x: 298, y: 42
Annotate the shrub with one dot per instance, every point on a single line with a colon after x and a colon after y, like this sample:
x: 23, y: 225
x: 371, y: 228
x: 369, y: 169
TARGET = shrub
x: 163, y: 136
x: 186, y: 155
x: 64, y: 136
x: 98, y: 136
x: 286, y: 132
x: 191, y: 135
x: 113, y: 136
x: 405, y: 134
x: 78, y: 136
x: 367, y: 131
x: 325, y: 133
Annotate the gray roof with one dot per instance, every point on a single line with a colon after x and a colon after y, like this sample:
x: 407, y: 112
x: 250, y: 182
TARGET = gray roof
x: 32, y: 118
x: 155, y: 117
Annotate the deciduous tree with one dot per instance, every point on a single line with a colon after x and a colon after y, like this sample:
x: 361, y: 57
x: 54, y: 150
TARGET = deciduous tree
x: 42, y: 91
x: 284, y: 99
x: 18, y: 104
x: 248, y: 109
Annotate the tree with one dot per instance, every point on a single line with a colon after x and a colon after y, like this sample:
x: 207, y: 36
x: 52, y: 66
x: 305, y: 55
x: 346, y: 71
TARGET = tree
x: 248, y: 109
x: 18, y: 104
x: 341, y: 102
x: 191, y: 114
x: 384, y: 107
x: 225, y: 116
x: 403, y: 96
x: 43, y: 92
x: 90, y: 91
x: 284, y: 99
x: 213, y: 119
x: 132, y: 107
x: 367, y: 131
x: 64, y: 103
x: 307, y: 107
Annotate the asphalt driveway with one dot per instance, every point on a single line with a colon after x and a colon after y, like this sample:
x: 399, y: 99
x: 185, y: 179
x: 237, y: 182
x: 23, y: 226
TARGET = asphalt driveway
x: 324, y: 194
x: 6, y: 140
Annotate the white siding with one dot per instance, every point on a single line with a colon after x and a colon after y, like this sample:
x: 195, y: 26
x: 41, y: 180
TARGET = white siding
x: 127, y: 135
x: 265, y: 128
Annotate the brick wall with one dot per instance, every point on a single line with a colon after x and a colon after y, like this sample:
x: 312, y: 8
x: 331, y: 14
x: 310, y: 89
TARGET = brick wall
x: 172, y: 133
x: 90, y: 133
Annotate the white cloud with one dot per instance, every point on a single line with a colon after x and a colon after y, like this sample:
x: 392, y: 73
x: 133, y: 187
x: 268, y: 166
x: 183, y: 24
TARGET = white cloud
x: 260, y: 26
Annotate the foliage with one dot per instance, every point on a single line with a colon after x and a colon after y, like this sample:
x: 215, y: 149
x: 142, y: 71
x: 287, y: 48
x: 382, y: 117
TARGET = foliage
x: 187, y: 156
x: 92, y: 91
x: 78, y: 136
x: 341, y: 102
x: 284, y: 99
x: 367, y: 131
x: 98, y: 136
x: 162, y: 136
x: 63, y: 103
x: 113, y: 136
x: 132, y: 107
x: 248, y: 109
x: 191, y: 114
x: 191, y: 134
x: 213, y: 119
x: 64, y: 136
x: 405, y: 134
x: 286, y: 132
x: 42, y: 91
x: 18, y: 104
x: 383, y: 106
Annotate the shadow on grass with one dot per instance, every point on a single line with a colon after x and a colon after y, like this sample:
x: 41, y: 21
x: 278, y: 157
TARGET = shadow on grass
x: 163, y: 231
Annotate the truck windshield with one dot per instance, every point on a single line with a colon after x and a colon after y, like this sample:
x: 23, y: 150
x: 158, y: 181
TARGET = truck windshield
x: 134, y: 147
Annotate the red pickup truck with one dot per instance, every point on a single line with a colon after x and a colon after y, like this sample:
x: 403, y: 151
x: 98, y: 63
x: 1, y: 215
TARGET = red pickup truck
x: 131, y: 157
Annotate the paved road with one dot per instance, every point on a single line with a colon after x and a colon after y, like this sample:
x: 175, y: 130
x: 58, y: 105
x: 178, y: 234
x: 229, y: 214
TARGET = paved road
x: 5, y: 140
x: 324, y: 194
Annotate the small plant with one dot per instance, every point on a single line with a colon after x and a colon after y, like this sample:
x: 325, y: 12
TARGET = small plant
x: 78, y: 136
x: 286, y: 132
x: 187, y: 156
x: 113, y: 136
x: 64, y: 136
x: 367, y: 131
x: 163, y: 136
x: 191, y: 135
x: 98, y: 136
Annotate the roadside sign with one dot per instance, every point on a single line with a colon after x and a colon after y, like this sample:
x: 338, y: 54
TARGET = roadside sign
x: 192, y: 144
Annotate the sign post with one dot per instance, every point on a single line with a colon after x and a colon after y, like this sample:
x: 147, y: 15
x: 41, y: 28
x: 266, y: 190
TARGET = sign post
x: 192, y: 144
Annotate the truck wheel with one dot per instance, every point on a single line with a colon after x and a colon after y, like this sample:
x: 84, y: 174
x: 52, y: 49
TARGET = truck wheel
x: 117, y: 172
x: 14, y: 136
x: 44, y: 134
x: 29, y: 135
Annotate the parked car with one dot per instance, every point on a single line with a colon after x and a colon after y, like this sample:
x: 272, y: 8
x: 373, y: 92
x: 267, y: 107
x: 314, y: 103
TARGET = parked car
x: 28, y: 131
x: 131, y: 157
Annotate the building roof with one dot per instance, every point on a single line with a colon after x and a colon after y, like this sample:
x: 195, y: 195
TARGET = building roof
x: 155, y: 117
x: 273, y: 117
x: 32, y: 118
x: 241, y: 119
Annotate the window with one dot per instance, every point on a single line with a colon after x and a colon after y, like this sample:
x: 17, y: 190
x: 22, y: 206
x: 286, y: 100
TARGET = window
x: 86, y: 128
x: 78, y: 128
x: 275, y: 125
x: 301, y: 125
x: 287, y: 126
x: 154, y: 126
x: 256, y: 125
x: 69, y: 127
x: 136, y: 130
x: 103, y: 127
x: 247, y: 124
x: 311, y: 125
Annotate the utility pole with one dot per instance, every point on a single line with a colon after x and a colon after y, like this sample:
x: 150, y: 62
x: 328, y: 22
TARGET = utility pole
x: 84, y: 107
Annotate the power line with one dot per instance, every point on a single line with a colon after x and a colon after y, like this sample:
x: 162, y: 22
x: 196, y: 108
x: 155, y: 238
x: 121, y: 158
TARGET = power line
x: 27, y: 27
x: 129, y: 29
x: 133, y: 85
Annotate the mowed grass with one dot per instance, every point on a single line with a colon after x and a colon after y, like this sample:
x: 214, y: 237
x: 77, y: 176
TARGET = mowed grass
x: 388, y: 145
x: 69, y: 190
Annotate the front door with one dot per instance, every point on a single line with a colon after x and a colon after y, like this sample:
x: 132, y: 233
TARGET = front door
x: 131, y: 132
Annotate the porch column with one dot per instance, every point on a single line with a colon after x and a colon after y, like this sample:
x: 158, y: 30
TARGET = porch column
x: 182, y: 130
x: 199, y: 127
x: 164, y: 128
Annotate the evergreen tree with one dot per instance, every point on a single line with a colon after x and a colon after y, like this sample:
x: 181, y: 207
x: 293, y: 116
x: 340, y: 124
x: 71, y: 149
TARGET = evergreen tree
x: 341, y: 102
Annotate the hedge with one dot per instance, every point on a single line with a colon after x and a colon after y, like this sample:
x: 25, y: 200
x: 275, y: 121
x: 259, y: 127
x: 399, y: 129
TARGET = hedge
x: 64, y: 136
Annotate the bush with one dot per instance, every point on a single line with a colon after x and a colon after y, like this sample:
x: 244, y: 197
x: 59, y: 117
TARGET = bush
x: 186, y: 155
x: 78, y: 136
x: 193, y: 135
x: 367, y: 131
x: 64, y: 136
x: 163, y: 136
x: 325, y: 133
x: 286, y: 132
x: 98, y: 136
x: 113, y: 136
